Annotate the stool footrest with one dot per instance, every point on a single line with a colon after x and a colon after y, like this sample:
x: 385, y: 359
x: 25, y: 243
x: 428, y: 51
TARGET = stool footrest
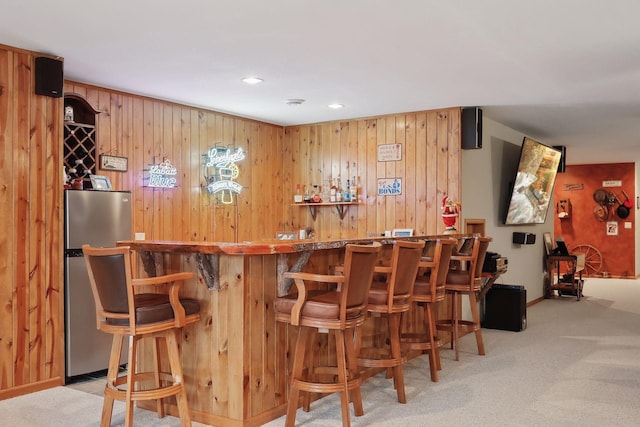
x: 326, y: 387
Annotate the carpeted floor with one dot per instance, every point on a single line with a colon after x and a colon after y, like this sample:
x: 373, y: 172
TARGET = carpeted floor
x: 67, y: 407
x: 576, y: 364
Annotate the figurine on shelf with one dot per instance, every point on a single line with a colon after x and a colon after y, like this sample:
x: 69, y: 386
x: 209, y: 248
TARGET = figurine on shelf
x: 65, y: 178
x: 68, y: 113
x: 450, y: 212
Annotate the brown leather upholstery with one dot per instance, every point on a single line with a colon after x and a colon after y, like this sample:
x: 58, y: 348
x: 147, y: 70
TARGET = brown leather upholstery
x: 340, y: 312
x: 122, y: 311
x: 393, y: 298
x: 111, y: 283
x: 429, y: 290
x: 460, y: 282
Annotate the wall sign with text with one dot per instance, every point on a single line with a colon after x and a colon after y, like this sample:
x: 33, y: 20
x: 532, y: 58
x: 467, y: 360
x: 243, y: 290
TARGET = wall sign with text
x: 113, y: 163
x: 220, y: 171
x: 389, y: 186
x: 389, y: 152
x: 162, y: 175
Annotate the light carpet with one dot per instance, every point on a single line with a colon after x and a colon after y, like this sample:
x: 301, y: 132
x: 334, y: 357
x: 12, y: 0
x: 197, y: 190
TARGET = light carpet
x: 67, y: 407
x: 576, y: 364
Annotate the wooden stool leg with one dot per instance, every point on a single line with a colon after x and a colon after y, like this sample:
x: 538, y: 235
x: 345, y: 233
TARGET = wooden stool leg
x: 394, y: 337
x: 352, y: 337
x: 178, y: 378
x: 131, y: 373
x: 475, y: 313
x: 433, y: 352
x: 157, y: 370
x: 455, y: 330
x: 296, y: 374
x: 341, y: 356
x: 112, y: 376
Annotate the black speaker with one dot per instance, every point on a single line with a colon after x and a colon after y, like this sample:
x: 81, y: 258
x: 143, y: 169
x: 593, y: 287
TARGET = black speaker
x: 524, y: 238
x: 471, y: 128
x: 505, y: 308
x: 563, y: 159
x: 49, y: 77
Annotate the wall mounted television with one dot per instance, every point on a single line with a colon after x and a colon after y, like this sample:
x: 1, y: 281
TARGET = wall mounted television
x: 532, y: 190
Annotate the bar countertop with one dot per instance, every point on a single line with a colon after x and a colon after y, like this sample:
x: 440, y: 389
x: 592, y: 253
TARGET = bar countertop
x: 262, y: 247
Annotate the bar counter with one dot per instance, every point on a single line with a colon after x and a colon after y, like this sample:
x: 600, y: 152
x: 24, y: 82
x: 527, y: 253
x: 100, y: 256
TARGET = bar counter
x: 236, y: 359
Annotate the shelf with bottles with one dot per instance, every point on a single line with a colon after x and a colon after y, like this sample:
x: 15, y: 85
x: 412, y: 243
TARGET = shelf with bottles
x: 341, y: 207
x: 335, y: 196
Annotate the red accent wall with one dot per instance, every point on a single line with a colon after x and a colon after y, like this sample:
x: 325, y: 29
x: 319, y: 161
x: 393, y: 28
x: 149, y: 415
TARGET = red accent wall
x: 582, y: 227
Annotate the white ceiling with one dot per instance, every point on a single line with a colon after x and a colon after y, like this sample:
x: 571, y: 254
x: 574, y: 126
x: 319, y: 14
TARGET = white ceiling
x: 565, y: 72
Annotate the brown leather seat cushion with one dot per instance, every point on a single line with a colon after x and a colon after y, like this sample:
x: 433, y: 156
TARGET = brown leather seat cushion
x: 458, y: 277
x: 151, y: 308
x: 379, y: 293
x: 319, y: 305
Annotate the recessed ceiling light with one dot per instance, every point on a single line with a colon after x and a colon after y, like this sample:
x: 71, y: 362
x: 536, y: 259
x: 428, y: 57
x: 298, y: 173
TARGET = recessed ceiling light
x: 336, y: 106
x: 252, y: 80
x: 294, y: 101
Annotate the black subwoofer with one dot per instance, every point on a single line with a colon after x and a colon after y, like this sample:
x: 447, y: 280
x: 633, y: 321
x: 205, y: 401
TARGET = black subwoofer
x: 505, y: 307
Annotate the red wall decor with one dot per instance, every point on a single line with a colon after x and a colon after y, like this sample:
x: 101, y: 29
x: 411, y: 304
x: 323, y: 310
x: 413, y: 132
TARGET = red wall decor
x: 594, y: 210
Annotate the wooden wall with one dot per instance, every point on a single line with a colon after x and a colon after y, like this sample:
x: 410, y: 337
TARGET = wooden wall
x: 147, y: 131
x: 429, y: 169
x: 31, y: 272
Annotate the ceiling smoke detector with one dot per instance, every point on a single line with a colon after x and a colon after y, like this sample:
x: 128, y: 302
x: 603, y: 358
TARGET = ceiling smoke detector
x: 295, y: 101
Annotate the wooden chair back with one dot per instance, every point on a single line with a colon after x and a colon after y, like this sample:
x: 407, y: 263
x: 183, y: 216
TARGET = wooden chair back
x: 359, y: 264
x: 110, y: 277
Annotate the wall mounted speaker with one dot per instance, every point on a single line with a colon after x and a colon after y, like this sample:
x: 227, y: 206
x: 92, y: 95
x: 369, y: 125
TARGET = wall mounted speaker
x: 524, y: 238
x: 471, y: 128
x: 49, y: 77
x: 563, y: 159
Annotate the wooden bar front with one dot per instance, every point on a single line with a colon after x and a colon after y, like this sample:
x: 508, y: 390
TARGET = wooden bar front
x: 236, y: 360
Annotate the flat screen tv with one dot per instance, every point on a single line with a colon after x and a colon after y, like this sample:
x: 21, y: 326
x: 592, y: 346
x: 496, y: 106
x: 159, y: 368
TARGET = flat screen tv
x: 533, y: 184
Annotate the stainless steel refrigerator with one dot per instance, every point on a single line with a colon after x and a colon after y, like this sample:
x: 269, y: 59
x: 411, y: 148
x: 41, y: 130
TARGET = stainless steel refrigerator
x: 98, y: 218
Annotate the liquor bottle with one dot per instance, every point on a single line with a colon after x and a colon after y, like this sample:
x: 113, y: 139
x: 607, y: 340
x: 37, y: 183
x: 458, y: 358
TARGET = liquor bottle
x: 332, y: 192
x: 316, y: 194
x: 347, y: 193
x: 307, y: 197
x: 339, y: 191
x: 297, y: 198
x: 354, y: 191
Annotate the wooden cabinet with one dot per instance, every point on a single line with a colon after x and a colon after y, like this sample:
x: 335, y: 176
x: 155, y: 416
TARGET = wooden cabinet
x: 565, y: 275
x: 79, y: 138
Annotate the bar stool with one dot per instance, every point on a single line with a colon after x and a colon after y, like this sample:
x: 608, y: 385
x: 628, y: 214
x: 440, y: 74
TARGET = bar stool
x: 125, y: 311
x: 392, y: 298
x: 428, y: 291
x: 340, y: 312
x: 465, y: 281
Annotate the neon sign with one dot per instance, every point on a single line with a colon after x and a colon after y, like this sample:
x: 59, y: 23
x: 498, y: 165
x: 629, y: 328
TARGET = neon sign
x: 221, y: 171
x: 162, y: 175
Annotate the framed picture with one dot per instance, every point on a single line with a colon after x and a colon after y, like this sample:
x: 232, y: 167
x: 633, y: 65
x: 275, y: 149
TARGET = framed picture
x: 114, y: 163
x: 548, y: 243
x: 612, y: 228
x: 100, y: 182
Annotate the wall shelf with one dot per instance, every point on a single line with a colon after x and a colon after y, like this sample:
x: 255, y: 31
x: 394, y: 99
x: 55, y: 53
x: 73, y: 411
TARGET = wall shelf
x: 341, y: 207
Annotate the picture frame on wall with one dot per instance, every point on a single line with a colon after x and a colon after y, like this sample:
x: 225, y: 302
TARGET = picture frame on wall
x: 114, y: 163
x: 548, y: 243
x: 100, y: 182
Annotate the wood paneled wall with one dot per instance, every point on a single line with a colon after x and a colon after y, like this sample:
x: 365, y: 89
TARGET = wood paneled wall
x: 429, y: 169
x: 147, y: 131
x: 31, y: 271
